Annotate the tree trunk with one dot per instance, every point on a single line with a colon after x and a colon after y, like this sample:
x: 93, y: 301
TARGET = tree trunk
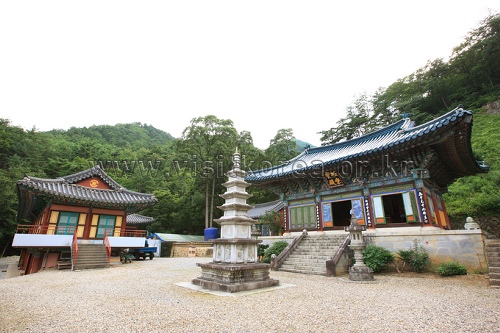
x: 206, y: 203
x: 212, y: 202
x: 445, y: 105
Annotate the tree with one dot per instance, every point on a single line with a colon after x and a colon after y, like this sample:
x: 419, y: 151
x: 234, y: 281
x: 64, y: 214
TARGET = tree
x: 273, y: 221
x: 357, y: 122
x: 281, y: 147
x: 210, y: 143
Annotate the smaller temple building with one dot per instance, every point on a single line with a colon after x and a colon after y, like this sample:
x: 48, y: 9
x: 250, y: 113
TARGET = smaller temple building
x: 258, y: 211
x: 69, y: 214
x: 392, y: 177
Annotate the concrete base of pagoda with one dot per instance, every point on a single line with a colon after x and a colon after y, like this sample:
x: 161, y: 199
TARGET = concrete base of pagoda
x: 235, y: 250
x: 235, y: 267
x: 233, y: 278
x: 361, y: 274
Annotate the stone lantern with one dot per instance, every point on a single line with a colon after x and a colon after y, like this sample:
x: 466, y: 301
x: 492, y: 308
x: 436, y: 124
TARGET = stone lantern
x: 359, y: 271
x: 470, y: 224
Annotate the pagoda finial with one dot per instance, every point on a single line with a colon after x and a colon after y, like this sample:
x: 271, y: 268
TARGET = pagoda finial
x: 236, y: 159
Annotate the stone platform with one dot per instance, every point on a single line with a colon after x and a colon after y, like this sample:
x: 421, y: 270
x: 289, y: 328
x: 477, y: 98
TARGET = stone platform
x: 234, y: 277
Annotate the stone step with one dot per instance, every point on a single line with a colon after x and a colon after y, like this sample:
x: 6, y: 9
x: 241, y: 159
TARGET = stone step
x: 291, y: 270
x: 321, y: 265
x: 493, y: 257
x: 91, y: 256
x: 322, y: 247
x: 295, y: 258
x: 494, y: 269
x: 321, y: 243
x: 323, y: 238
x: 306, y: 269
x: 494, y: 262
x: 491, y: 254
x: 91, y: 259
x: 91, y: 266
x: 495, y: 282
x: 310, y: 256
x: 329, y: 241
x: 317, y: 246
x: 315, y: 251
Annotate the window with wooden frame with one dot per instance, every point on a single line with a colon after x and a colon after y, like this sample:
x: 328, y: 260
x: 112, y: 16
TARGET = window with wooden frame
x: 395, y: 208
x: 66, y: 223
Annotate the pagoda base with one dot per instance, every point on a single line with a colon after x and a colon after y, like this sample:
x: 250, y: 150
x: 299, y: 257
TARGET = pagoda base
x: 233, y: 278
x: 361, y: 273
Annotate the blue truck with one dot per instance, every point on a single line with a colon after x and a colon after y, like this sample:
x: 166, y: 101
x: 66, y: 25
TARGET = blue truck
x: 144, y: 252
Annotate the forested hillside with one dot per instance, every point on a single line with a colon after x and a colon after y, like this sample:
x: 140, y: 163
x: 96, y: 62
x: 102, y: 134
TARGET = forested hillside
x: 479, y: 196
x: 471, y: 78
x: 186, y: 173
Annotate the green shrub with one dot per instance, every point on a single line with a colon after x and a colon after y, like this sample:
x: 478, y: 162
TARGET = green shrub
x: 377, y: 257
x: 276, y: 248
x: 261, y: 249
x: 417, y: 257
x: 450, y: 268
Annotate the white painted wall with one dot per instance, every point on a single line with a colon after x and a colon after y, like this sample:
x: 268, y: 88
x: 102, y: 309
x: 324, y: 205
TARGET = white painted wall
x: 37, y: 240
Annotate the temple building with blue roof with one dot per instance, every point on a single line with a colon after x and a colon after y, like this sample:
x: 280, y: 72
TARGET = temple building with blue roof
x: 392, y: 177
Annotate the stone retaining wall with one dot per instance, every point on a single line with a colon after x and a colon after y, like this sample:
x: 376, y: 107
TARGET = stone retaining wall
x: 192, y: 249
x: 463, y: 246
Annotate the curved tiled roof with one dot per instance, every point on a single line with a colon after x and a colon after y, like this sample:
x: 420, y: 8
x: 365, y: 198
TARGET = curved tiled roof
x: 139, y: 219
x: 400, y: 135
x: 32, y: 190
x: 92, y: 172
x: 62, y: 189
x: 259, y: 210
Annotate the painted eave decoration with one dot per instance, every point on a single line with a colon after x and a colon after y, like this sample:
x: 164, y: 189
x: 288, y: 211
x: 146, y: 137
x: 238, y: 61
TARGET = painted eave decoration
x: 448, y: 136
x: 34, y: 193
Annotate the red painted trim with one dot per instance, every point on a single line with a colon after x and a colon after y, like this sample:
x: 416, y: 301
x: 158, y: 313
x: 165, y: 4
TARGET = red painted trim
x: 104, y: 211
x: 69, y: 208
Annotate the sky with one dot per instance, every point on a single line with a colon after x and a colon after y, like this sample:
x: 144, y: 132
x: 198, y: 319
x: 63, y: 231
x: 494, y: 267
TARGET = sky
x: 265, y: 65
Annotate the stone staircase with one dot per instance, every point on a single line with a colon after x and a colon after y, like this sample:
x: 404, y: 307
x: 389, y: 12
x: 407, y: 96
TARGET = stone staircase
x: 311, y: 254
x: 493, y: 257
x: 91, y: 256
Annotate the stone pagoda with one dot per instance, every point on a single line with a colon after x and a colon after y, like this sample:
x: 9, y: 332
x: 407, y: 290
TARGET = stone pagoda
x: 235, y: 265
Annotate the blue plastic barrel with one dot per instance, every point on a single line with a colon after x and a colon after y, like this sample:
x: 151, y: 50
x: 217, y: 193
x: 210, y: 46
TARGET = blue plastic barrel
x: 211, y: 233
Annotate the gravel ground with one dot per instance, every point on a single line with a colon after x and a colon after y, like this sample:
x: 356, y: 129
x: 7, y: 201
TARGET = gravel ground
x: 143, y: 296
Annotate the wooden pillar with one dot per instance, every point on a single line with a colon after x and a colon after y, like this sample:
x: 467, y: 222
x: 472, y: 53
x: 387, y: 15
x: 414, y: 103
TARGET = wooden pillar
x: 319, y: 215
x: 436, y: 211
x: 422, y: 205
x: 447, y: 218
x: 88, y: 223
x: 46, y: 218
x: 368, y: 209
x: 286, y: 218
x: 35, y: 262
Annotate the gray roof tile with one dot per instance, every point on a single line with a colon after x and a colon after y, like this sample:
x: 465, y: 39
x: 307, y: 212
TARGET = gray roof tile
x: 398, y: 135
